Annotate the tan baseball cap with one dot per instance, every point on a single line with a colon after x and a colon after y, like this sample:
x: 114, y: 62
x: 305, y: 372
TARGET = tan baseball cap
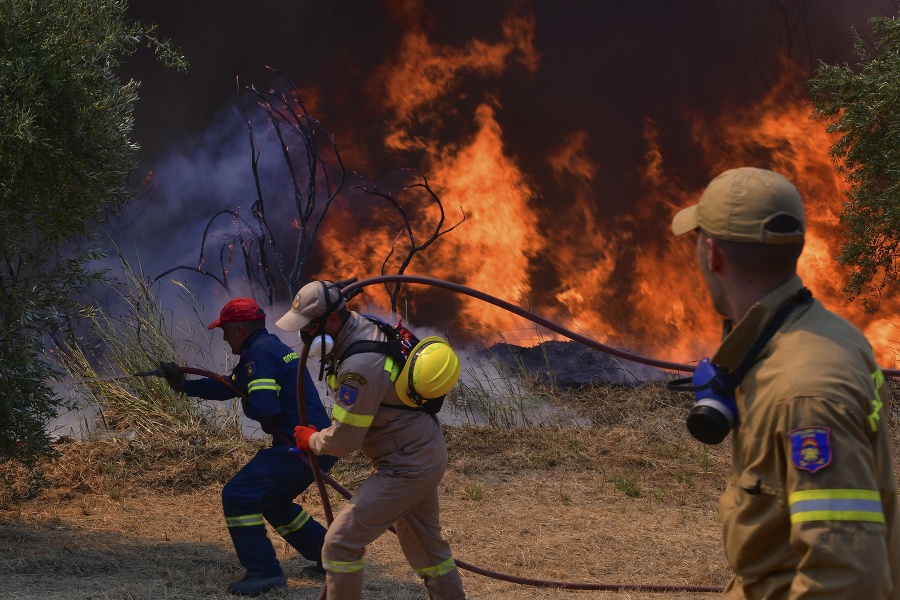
x: 739, y: 204
x: 311, y: 303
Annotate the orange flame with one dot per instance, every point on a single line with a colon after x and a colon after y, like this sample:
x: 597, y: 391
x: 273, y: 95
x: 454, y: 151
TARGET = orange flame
x: 625, y: 281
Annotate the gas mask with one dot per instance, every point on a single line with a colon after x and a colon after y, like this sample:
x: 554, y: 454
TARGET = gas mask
x: 321, y: 346
x: 714, y: 412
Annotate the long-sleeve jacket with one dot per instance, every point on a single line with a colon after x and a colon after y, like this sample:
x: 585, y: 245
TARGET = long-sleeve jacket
x: 810, y: 509
x: 391, y: 437
x: 267, y: 371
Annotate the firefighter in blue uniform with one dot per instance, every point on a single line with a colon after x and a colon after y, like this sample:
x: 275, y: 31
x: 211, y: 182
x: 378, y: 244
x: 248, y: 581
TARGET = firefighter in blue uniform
x: 266, y: 486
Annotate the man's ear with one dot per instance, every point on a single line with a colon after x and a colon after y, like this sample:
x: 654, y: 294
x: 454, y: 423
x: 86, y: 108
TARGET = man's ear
x: 714, y: 256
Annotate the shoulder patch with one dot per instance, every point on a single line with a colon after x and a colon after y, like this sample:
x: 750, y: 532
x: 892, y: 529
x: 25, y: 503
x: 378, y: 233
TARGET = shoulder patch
x: 353, y: 377
x: 811, y: 448
x: 347, y: 395
x: 251, y: 368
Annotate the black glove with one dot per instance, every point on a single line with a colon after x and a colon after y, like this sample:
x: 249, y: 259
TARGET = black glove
x: 174, y: 376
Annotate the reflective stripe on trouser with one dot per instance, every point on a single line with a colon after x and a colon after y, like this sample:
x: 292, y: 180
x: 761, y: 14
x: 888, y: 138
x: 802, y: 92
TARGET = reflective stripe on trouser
x: 252, y: 545
x: 303, y: 533
x: 427, y: 552
x: 410, y: 501
x: 265, y: 488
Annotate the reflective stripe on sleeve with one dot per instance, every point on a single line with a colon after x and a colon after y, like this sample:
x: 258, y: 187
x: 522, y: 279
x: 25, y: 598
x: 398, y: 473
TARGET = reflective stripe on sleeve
x: 244, y: 520
x: 336, y: 566
x: 437, y: 570
x: 294, y: 525
x: 836, y: 505
x: 341, y: 415
x: 877, y: 404
x: 262, y: 384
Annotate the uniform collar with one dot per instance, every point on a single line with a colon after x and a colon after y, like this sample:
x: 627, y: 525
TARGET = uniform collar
x: 252, y: 338
x: 738, y: 342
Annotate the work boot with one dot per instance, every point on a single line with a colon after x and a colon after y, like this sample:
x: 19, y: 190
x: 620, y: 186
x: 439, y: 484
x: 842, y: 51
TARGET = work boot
x: 253, y: 585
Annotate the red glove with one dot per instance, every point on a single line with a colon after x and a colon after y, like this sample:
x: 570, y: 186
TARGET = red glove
x: 302, y: 434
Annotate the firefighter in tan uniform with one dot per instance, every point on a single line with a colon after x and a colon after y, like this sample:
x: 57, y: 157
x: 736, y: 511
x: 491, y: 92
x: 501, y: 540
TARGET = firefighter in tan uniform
x: 810, y: 509
x: 406, y: 448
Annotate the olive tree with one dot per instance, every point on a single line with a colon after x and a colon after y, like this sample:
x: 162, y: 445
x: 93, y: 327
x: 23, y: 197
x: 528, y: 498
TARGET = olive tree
x: 862, y: 105
x: 65, y: 156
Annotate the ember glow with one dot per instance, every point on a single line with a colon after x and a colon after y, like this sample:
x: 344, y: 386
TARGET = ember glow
x: 624, y: 281
x: 566, y: 156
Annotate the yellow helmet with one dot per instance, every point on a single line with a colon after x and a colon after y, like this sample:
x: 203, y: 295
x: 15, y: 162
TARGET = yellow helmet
x: 431, y: 371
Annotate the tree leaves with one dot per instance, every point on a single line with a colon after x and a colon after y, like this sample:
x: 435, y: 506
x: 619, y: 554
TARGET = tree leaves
x: 863, y: 107
x: 65, y: 156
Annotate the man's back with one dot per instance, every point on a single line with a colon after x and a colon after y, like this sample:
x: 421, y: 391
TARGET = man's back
x: 812, y: 500
x: 369, y: 415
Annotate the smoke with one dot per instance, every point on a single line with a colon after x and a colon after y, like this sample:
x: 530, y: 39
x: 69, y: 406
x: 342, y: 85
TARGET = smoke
x: 566, y: 132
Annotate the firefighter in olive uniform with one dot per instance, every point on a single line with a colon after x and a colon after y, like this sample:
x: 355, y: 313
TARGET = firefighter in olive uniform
x: 810, y: 509
x: 266, y: 486
x: 406, y: 448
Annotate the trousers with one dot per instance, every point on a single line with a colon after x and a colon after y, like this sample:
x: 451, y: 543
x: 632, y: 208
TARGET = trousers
x: 264, y: 489
x: 409, y: 500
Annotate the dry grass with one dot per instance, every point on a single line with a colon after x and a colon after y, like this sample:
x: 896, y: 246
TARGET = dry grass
x: 631, y: 500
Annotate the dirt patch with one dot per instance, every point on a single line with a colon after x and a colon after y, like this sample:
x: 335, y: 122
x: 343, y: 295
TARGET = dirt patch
x: 630, y: 500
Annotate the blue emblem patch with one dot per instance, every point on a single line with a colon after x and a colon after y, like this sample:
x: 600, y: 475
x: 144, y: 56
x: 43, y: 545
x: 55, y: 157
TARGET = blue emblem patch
x: 811, y: 448
x: 251, y: 368
x: 347, y: 395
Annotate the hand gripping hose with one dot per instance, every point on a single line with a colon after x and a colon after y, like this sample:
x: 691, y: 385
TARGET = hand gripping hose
x: 313, y: 460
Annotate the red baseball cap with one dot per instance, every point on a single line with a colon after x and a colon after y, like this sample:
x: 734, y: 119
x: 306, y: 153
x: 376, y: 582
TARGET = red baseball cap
x: 239, y: 309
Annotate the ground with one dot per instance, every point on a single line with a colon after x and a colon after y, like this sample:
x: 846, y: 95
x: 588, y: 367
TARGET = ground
x: 629, y: 500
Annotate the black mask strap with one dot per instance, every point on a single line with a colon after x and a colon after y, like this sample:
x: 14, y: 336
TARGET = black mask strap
x: 330, y: 306
x: 725, y: 383
x: 804, y: 296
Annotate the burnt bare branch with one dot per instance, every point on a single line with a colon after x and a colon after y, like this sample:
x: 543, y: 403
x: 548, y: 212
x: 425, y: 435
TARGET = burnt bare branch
x: 786, y: 33
x: 287, y: 114
x: 316, y: 174
x: 187, y: 268
x: 246, y: 240
x: 393, y: 290
x: 314, y: 182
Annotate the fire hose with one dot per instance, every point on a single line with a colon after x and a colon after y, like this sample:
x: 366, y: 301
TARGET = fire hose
x: 352, y: 289
x: 311, y: 460
x: 321, y: 477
